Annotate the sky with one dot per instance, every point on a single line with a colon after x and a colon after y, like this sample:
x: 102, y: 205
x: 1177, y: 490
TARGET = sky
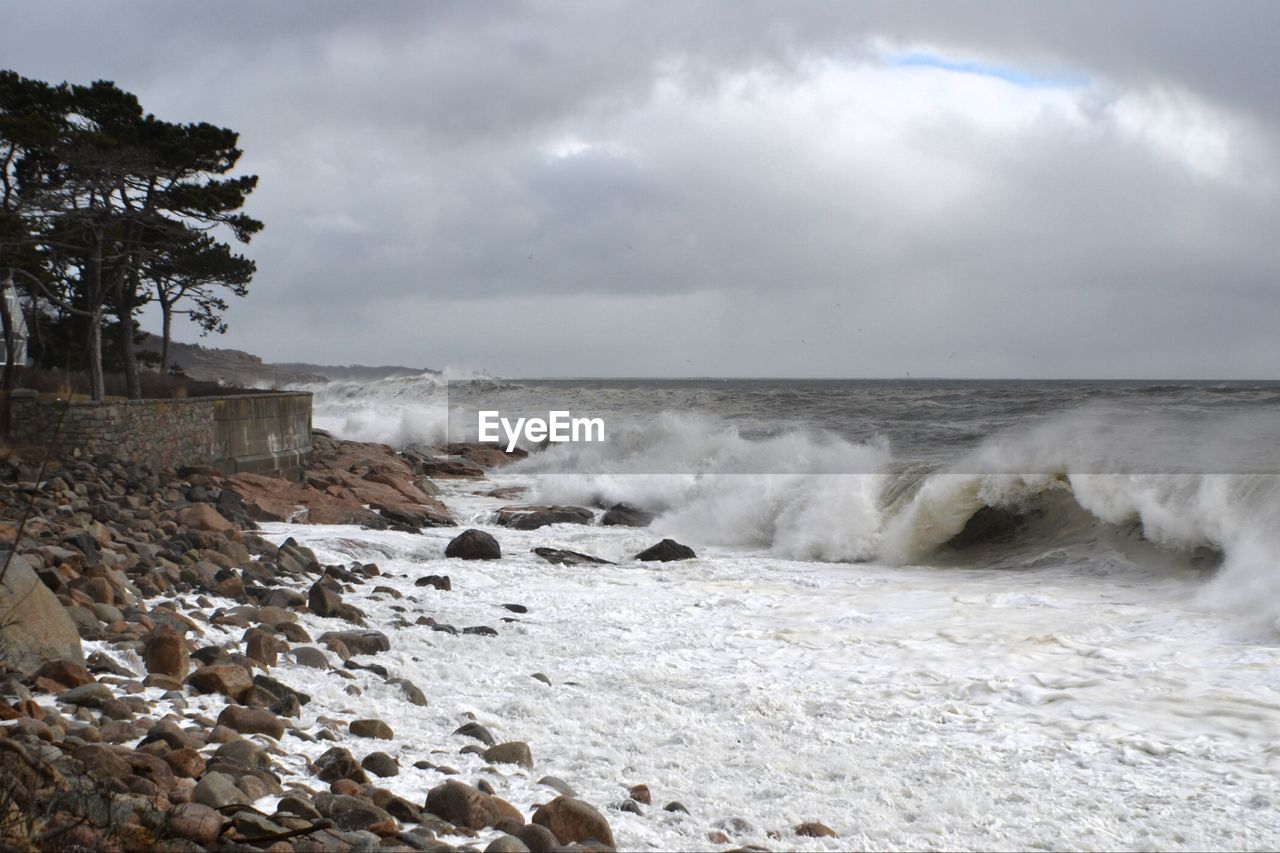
x: 995, y: 189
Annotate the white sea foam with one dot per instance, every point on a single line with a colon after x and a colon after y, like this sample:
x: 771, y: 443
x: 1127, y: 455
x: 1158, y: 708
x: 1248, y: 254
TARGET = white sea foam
x: 905, y: 707
x: 1076, y: 684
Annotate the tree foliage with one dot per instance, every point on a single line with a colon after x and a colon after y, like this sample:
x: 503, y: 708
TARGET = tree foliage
x: 106, y: 207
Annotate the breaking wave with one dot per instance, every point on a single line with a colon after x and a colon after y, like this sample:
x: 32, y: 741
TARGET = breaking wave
x: 1191, y: 489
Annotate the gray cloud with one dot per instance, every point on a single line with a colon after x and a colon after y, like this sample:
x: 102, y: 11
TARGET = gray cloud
x: 730, y: 189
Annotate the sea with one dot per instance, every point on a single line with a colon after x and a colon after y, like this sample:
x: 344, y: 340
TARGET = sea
x: 930, y: 614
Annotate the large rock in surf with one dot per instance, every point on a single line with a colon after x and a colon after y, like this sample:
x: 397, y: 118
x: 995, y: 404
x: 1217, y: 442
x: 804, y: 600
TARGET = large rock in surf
x: 34, y: 627
x: 533, y: 517
x: 626, y: 515
x: 571, y: 820
x: 463, y: 805
x: 473, y: 544
x: 558, y: 556
x: 666, y: 551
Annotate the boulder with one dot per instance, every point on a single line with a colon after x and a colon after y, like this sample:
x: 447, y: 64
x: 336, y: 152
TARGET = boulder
x: 64, y: 672
x: 813, y: 829
x: 462, y: 805
x: 166, y: 653
x: 381, y: 764
x: 537, y: 838
x: 251, y: 721
x: 512, y: 752
x: 230, y: 680
x: 338, y: 763
x: 473, y: 544
x: 477, y: 731
x: 309, y: 656
x: 359, y: 642
x: 322, y: 599
x: 217, y: 790
x: 559, y: 556
x: 34, y: 627
x: 195, y: 822
x: 533, y: 517
x: 506, y: 844
x: 626, y: 515
x: 91, y: 695
x: 666, y: 551
x: 372, y: 729
x: 571, y: 820
x: 201, y: 516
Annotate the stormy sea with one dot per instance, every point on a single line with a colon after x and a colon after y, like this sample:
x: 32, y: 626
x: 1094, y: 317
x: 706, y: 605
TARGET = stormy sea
x: 928, y: 614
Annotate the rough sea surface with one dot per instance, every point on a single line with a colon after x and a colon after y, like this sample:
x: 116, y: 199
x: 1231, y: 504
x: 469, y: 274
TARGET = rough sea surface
x: 929, y: 615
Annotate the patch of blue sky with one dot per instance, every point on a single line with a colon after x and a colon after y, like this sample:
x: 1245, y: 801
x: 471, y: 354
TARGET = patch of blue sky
x: 1009, y: 74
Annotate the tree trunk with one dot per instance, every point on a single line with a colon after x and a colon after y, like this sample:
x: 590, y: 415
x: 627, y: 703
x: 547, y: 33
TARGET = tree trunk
x: 97, y: 384
x: 127, y: 299
x: 166, y: 323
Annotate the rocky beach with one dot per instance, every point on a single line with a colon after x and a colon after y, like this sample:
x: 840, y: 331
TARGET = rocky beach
x: 179, y: 675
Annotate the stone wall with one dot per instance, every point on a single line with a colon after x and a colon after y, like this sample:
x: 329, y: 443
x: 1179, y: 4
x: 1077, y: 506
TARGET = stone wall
x: 245, y: 432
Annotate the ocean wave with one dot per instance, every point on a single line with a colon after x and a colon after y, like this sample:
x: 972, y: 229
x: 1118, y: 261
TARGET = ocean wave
x: 1095, y: 485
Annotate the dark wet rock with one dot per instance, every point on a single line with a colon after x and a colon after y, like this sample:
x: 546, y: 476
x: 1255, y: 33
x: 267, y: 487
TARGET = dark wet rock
x: 640, y: 793
x: 675, y: 806
x: 297, y: 806
x: 630, y: 806
x: 543, y: 677
x: 411, y: 691
x: 626, y: 515
x: 572, y: 820
x: 310, y: 656
x: 217, y: 790
x: 262, y: 646
x: 813, y: 829
x: 537, y: 838
x: 92, y: 695
x: 338, y: 763
x: 512, y: 752
x: 506, y: 844
x: 228, y: 679
x: 516, y: 608
x: 251, y: 721
x: 533, y: 517
x: 359, y: 642
x: 195, y: 822
x: 558, y: 785
x: 166, y: 653
x: 381, y: 764
x: 279, y: 689
x: 371, y: 729
x: 473, y: 544
x: 477, y: 731
x: 376, y: 668
x: 242, y: 752
x: 63, y: 672
x: 559, y: 556
x: 440, y: 582
x: 465, y: 806
x: 480, y: 631
x: 185, y: 763
x: 666, y: 551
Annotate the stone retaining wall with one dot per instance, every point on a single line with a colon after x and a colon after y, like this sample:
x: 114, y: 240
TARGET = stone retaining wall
x: 244, y: 432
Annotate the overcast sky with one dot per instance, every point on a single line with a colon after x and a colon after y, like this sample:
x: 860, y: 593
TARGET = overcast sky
x: 733, y: 188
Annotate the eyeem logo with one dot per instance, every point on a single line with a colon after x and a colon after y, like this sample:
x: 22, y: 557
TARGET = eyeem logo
x: 558, y: 427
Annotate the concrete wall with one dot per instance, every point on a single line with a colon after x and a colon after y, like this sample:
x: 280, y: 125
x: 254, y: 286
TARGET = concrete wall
x: 247, y: 432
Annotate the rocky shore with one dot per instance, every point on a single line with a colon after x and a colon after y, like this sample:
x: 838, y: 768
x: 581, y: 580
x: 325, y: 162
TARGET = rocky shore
x: 143, y: 700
